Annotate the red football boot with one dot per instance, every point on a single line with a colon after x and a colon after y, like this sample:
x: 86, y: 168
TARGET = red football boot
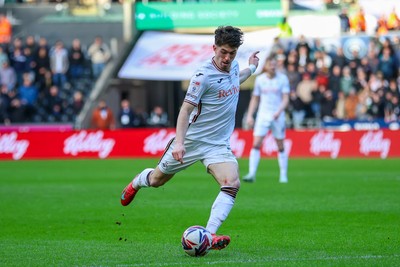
x: 128, y: 194
x: 220, y: 241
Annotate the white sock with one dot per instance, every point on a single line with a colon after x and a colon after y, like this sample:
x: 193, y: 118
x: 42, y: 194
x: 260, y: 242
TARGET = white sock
x: 283, y: 163
x: 141, y: 180
x: 254, y: 160
x: 221, y: 208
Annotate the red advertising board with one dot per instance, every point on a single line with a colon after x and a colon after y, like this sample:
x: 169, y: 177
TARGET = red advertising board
x: 151, y: 143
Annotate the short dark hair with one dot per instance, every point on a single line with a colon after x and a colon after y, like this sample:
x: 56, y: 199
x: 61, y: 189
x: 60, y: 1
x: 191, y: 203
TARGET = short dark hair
x: 228, y: 35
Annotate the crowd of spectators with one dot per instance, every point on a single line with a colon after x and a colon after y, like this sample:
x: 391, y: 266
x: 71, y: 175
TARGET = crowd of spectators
x: 127, y: 117
x: 42, y: 82
x: 328, y: 85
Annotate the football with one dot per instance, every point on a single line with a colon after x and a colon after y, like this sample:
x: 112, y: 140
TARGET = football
x: 196, y: 241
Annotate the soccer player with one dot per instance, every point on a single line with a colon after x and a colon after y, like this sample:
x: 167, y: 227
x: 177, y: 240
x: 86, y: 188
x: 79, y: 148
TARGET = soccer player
x: 204, y: 126
x: 271, y: 96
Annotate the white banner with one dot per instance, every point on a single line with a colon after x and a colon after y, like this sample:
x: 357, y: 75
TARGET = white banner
x: 169, y: 56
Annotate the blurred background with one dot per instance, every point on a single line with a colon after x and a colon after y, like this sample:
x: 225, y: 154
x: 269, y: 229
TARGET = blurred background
x: 67, y: 63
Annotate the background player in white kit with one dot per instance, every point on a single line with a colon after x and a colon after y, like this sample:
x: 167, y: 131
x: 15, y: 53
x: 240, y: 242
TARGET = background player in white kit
x: 271, y: 96
x: 204, y: 126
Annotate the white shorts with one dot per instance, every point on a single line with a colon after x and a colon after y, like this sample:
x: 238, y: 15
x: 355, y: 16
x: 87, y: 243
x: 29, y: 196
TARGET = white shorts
x: 195, y: 151
x: 277, y: 127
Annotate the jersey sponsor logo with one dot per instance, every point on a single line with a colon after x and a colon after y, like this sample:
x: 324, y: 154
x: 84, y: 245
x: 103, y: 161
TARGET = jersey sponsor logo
x: 220, y: 80
x: 89, y: 142
x: 10, y: 145
x: 325, y: 142
x: 229, y: 92
x: 199, y: 74
x: 374, y: 142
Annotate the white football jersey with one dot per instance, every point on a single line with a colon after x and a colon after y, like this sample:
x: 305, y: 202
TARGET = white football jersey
x: 270, y: 92
x: 215, y: 94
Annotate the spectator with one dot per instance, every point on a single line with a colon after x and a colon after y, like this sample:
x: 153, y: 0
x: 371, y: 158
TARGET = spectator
x: 30, y: 44
x: 42, y: 43
x: 375, y: 82
x: 285, y: 29
x: 103, y: 117
x: 376, y: 107
x: 389, y: 107
x: 276, y: 47
x: 322, y: 77
x: 341, y: 106
x: 127, y: 117
x: 42, y: 66
x: 76, y: 60
x: 381, y: 27
x: 365, y: 67
x: 339, y: 58
x: 387, y: 64
x: 322, y: 59
x: 18, y: 62
x: 328, y: 105
x: 293, y: 76
x: 303, y: 43
x: 396, y: 46
x: 354, y: 62
x: 99, y: 54
x: 8, y: 77
x: 346, y: 81
x: 5, y: 31
x: 141, y: 117
x: 292, y: 58
x: 16, y: 110
x: 334, y: 81
x: 392, y: 109
x: 304, y: 92
x: 317, y: 94
x: 393, y: 88
x: 158, y: 118
x: 373, y: 61
x: 28, y: 94
x: 4, y: 105
x: 311, y: 69
x: 3, y: 56
x: 393, y: 21
x: 358, y: 21
x: 303, y: 56
x: 344, y: 20
x: 54, y: 104
x: 350, y: 105
x: 77, y: 103
x: 296, y: 110
x: 30, y: 61
x: 59, y: 64
x: 361, y: 80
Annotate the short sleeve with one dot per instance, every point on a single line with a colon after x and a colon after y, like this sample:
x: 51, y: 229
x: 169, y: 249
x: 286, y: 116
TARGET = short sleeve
x: 197, y: 87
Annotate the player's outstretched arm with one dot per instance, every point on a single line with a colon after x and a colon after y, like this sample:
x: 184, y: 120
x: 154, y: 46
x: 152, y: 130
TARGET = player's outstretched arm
x: 182, y: 125
x: 253, y: 64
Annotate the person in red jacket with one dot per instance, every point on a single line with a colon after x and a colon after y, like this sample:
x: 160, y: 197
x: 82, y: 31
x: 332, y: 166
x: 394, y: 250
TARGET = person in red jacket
x: 103, y: 117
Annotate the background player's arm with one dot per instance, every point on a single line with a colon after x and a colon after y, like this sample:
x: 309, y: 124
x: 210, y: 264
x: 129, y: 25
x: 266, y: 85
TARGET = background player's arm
x: 252, y: 109
x: 282, y: 106
x: 246, y: 73
x: 182, y: 125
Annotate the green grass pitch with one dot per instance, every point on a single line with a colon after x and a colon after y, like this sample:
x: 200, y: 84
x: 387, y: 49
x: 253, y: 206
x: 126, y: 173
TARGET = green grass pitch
x: 342, y: 212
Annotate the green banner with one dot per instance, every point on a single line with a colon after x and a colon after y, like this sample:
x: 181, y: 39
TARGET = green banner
x: 167, y: 16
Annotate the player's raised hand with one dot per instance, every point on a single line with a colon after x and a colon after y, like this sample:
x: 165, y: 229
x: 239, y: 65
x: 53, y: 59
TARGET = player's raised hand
x: 178, y: 152
x: 253, y: 59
